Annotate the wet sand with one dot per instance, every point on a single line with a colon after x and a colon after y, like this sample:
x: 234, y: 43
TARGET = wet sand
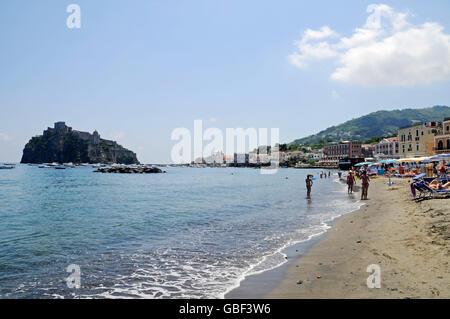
x: 410, y: 242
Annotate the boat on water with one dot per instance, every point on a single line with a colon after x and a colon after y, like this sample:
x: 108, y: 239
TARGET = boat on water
x: 7, y: 166
x: 347, y: 163
x: 53, y: 164
x: 60, y: 167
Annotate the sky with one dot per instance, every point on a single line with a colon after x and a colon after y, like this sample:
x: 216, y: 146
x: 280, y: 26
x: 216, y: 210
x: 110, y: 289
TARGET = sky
x: 136, y: 70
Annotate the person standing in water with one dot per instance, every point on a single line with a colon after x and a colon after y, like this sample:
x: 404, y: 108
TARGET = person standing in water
x: 365, y: 180
x: 309, y: 183
x: 350, y: 181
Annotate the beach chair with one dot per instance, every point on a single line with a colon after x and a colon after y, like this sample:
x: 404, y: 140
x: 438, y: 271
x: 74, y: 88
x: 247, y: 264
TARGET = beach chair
x: 424, y: 191
x: 418, y: 186
x: 437, y: 193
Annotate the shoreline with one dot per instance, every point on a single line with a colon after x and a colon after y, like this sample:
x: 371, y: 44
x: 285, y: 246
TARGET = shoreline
x: 257, y: 285
x: 408, y: 240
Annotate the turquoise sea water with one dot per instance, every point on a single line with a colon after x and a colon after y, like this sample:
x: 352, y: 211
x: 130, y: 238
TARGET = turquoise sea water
x: 192, y: 232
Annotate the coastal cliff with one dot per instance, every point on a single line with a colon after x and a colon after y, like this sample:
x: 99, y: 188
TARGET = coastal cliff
x: 63, y: 145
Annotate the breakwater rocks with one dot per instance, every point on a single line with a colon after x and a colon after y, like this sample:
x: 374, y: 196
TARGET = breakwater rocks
x: 130, y: 170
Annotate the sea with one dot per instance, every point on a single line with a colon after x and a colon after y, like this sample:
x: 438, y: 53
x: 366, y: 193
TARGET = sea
x: 188, y: 233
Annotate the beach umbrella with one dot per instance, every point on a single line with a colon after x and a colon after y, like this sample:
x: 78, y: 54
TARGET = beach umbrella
x: 440, y: 157
x: 361, y: 164
x: 387, y: 161
x: 430, y: 159
x: 411, y: 160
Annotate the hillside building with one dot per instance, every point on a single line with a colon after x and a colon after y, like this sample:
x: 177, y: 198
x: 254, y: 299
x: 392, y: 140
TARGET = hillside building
x: 442, y: 140
x: 418, y: 140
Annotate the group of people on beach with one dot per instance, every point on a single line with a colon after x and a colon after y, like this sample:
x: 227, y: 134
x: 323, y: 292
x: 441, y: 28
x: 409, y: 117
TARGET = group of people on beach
x: 324, y: 174
x: 365, y: 181
x: 351, y: 180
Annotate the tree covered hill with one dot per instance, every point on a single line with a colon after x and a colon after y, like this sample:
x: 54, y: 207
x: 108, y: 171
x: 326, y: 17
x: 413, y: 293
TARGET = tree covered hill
x: 380, y: 123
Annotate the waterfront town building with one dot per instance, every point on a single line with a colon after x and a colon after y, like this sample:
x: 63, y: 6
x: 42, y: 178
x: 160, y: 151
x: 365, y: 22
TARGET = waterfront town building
x: 367, y: 150
x: 417, y: 140
x: 442, y: 140
x: 343, y: 150
x: 316, y: 156
x: 386, y: 148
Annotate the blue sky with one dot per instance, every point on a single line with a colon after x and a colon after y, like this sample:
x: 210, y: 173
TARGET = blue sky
x: 136, y: 70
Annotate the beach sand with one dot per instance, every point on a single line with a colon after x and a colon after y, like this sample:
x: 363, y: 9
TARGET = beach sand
x: 409, y: 241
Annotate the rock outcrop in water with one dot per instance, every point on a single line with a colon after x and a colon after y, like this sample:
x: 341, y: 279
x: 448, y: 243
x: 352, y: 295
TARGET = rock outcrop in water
x: 130, y: 170
x: 61, y: 144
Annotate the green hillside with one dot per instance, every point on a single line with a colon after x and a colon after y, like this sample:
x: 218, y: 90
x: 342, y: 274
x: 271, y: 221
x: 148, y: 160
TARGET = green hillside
x: 381, y: 123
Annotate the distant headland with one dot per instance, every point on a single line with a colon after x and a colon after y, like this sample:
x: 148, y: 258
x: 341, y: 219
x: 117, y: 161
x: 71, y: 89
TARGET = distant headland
x: 61, y: 144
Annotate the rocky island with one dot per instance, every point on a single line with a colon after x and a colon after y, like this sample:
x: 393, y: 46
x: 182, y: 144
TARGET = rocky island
x: 61, y: 144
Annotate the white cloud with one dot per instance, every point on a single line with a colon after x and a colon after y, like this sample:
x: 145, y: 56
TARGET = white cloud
x: 309, y: 51
x: 323, y: 33
x: 387, y: 50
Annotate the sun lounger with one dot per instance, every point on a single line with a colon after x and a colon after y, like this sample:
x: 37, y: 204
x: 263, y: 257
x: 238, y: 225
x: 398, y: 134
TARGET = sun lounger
x: 422, y: 189
x: 420, y: 185
x: 427, y: 191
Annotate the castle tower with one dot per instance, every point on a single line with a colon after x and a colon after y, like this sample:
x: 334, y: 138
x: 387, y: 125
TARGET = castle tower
x: 96, y: 137
x: 60, y: 126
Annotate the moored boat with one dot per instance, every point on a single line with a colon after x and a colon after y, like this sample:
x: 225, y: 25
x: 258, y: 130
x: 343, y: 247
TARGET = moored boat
x: 4, y: 166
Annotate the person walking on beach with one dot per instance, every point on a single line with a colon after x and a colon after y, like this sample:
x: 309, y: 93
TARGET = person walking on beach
x: 309, y: 183
x: 350, y: 181
x: 442, y: 170
x: 365, y: 180
x: 329, y: 173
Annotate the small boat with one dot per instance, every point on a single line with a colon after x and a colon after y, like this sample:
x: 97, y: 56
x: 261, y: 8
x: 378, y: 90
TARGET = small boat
x: 69, y: 164
x: 7, y: 166
x: 60, y: 167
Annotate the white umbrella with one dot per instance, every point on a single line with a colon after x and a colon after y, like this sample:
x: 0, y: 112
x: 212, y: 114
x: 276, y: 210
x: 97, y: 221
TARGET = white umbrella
x: 430, y: 160
x: 440, y: 157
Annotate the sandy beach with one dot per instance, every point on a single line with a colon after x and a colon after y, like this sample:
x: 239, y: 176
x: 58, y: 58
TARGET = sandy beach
x: 409, y: 241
